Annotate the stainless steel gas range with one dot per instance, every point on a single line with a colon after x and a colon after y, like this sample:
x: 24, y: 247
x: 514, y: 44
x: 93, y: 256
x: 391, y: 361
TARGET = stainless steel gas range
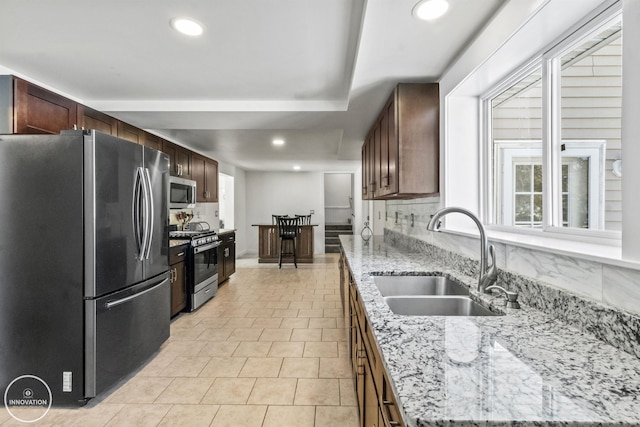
x: 201, y: 265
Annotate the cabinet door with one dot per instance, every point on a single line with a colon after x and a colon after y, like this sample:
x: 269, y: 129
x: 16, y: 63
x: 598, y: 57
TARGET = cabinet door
x: 365, y: 170
x: 222, y: 275
x: 211, y: 180
x: 39, y: 111
x: 183, y: 160
x: 179, y: 159
x: 376, y: 160
x: 371, y: 411
x: 88, y: 118
x: 178, y: 292
x: 268, y: 243
x: 170, y: 150
x: 152, y: 141
x: 304, y: 244
x: 130, y: 133
x: 204, y: 172
x: 388, y: 150
x: 198, y: 164
x: 368, y: 168
x: 230, y: 258
x: 392, y: 147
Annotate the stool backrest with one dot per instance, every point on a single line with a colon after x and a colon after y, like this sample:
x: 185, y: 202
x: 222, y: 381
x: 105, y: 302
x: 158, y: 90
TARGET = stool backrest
x: 287, y: 227
x: 304, y: 219
x: 274, y: 218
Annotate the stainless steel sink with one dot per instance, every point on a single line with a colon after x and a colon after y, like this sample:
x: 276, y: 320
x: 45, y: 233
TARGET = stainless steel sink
x: 436, y: 306
x: 418, y: 285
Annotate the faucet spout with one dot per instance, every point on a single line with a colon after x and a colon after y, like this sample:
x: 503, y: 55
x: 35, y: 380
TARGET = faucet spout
x: 488, y: 272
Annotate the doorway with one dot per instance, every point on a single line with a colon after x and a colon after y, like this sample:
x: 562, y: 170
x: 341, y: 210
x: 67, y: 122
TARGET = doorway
x: 338, y: 209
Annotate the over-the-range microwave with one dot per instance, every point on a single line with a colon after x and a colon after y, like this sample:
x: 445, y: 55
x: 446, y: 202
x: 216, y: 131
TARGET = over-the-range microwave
x: 182, y: 193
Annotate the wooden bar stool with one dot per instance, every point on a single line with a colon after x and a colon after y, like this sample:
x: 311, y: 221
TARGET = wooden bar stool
x: 288, y: 231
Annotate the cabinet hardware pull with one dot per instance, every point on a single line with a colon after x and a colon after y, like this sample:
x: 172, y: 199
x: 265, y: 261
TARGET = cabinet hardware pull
x: 180, y: 254
x: 386, y: 414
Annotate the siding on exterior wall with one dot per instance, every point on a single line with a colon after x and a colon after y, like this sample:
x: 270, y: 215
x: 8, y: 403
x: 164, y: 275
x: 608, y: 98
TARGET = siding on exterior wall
x: 591, y: 110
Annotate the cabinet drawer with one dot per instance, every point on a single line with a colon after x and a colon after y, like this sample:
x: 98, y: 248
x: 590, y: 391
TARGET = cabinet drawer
x: 228, y: 238
x: 177, y: 254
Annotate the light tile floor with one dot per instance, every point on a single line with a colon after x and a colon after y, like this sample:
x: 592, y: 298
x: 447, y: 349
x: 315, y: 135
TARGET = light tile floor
x: 269, y: 350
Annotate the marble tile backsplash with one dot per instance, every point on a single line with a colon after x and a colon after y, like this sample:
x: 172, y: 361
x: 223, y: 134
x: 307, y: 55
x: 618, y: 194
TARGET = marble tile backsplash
x: 599, y: 298
x: 610, y: 324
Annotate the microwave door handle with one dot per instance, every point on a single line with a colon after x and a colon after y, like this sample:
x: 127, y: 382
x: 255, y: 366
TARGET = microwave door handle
x: 136, y: 214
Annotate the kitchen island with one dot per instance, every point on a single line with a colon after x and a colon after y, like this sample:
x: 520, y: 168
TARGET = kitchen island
x: 269, y: 243
x: 521, y: 368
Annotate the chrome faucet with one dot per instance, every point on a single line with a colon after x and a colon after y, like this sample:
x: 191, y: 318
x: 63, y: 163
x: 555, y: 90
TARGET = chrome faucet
x: 488, y: 273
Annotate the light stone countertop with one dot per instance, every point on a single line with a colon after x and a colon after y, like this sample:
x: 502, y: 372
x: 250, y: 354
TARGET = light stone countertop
x: 521, y: 369
x: 226, y: 231
x: 178, y: 242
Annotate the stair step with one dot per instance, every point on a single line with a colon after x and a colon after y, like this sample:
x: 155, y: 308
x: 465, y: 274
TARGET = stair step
x: 331, y: 239
x: 332, y: 249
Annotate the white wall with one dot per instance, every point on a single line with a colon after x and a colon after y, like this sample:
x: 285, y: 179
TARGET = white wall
x: 283, y: 193
x: 358, y: 204
x: 239, y: 204
x: 226, y: 197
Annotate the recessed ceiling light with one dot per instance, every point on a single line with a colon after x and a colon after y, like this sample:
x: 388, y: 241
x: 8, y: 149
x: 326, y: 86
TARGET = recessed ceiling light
x: 296, y: 168
x: 187, y: 26
x: 278, y: 142
x: 428, y: 10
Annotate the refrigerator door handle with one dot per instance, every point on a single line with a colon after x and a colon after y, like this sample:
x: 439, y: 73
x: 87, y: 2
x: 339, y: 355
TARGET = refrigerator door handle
x: 136, y: 210
x: 117, y: 302
x: 145, y: 214
x: 150, y: 214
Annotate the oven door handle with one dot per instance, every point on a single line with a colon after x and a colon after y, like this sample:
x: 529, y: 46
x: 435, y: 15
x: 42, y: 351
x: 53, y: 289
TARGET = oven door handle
x: 206, y: 247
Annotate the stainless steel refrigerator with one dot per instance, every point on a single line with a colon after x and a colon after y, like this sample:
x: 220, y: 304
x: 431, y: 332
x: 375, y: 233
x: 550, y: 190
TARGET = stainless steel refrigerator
x: 84, y: 275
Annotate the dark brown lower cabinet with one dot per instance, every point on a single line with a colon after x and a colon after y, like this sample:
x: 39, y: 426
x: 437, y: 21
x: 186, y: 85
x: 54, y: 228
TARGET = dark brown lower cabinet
x: 269, y: 244
x: 177, y: 255
x: 376, y: 402
x: 226, y: 256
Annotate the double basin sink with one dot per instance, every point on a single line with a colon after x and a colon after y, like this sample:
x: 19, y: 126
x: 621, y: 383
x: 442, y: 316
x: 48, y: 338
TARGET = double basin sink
x: 428, y: 296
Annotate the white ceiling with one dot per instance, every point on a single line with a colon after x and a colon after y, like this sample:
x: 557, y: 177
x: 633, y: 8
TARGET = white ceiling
x: 313, y: 72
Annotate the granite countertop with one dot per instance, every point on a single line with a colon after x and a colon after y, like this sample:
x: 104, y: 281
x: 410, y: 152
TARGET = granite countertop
x: 520, y: 369
x: 178, y: 242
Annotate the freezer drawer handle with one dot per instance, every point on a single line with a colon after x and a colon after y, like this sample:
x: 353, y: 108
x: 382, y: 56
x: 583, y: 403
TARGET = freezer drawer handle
x: 117, y: 302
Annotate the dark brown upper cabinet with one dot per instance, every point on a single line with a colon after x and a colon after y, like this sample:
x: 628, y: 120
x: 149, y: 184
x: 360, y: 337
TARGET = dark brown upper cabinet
x: 88, y: 118
x: 130, y: 133
x: 400, y: 157
x: 152, y: 141
x: 179, y: 159
x: 34, y: 110
x: 204, y: 172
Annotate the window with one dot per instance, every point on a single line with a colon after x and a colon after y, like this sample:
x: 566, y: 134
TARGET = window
x: 554, y: 133
x: 521, y: 179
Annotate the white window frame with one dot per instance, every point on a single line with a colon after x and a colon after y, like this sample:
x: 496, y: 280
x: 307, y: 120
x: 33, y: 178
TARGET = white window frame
x: 593, y: 150
x: 551, y: 155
